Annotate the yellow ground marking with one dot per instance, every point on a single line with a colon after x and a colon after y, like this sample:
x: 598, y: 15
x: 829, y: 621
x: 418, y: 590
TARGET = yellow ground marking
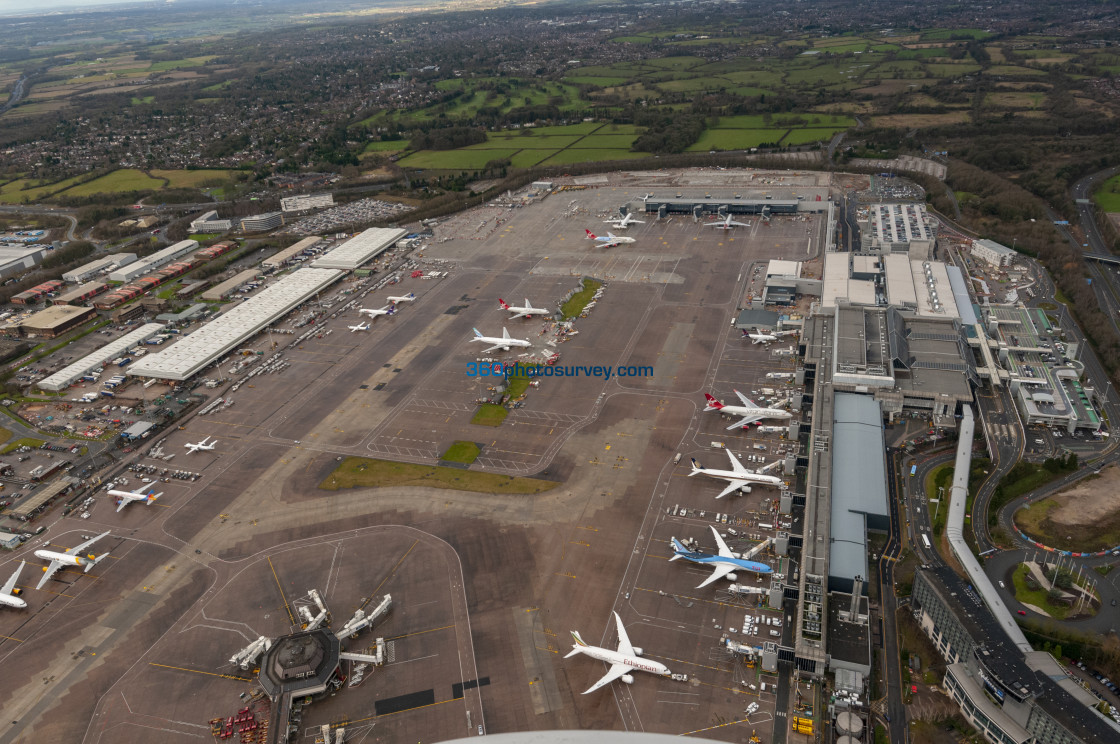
x: 278, y: 586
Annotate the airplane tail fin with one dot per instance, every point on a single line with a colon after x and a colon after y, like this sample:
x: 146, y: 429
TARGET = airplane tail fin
x: 392, y: 309
x: 476, y: 333
x: 152, y: 499
x: 95, y: 561
x: 502, y: 304
x: 580, y: 644
x: 696, y: 467
x: 677, y: 549
x: 590, y: 235
x: 713, y: 404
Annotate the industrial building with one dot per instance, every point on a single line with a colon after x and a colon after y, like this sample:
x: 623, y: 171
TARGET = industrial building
x: 262, y: 222
x: 81, y: 293
x: 226, y: 288
x: 210, y: 223
x: 281, y: 258
x: 71, y: 373
x: 191, y: 354
x: 360, y: 249
x: 154, y: 261
x: 55, y: 320
x: 896, y: 228
x: 100, y: 266
x: 306, y: 201
x: 992, y: 253
x: 1009, y: 695
x: 16, y: 259
x: 38, y: 292
x: 923, y: 287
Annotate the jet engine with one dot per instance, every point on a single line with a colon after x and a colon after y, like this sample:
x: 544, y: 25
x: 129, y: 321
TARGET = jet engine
x: 637, y: 650
x: 730, y: 577
x: 627, y: 678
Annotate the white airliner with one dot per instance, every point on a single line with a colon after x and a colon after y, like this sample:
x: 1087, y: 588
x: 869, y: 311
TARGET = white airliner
x: 738, y: 477
x: 724, y: 561
x: 727, y: 223
x: 502, y: 343
x: 359, y: 327
x: 196, y: 446
x: 9, y: 595
x: 622, y: 223
x: 750, y: 412
x: 407, y: 298
x: 622, y: 661
x: 523, y: 312
x: 758, y: 337
x: 373, y: 313
x: 71, y: 557
x: 124, y: 498
x: 610, y: 241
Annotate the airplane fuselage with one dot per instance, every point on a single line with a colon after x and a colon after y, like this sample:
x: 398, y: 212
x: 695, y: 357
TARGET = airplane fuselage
x: 9, y: 601
x: 709, y: 559
x: 68, y: 559
x: 749, y: 477
x: 635, y: 662
x: 762, y: 413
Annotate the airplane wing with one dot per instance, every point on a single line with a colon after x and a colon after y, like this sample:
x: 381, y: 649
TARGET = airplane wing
x: 617, y: 670
x: 79, y: 549
x: 720, y: 571
x: 123, y: 503
x: 736, y: 466
x: 746, y: 401
x: 496, y: 346
x: 49, y: 572
x: 724, y: 551
x: 624, y: 645
x: 734, y: 486
x: 749, y: 419
x: 515, y: 316
x: 11, y: 584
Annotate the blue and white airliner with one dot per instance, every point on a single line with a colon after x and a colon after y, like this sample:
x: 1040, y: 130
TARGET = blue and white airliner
x: 725, y: 562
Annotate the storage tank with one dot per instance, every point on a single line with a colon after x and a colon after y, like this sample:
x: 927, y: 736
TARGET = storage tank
x: 849, y: 724
x: 847, y: 740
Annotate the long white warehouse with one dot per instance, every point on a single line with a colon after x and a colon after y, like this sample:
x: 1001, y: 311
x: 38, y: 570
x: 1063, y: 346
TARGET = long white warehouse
x: 195, y: 352
x: 154, y: 261
x: 360, y: 249
x: 73, y: 372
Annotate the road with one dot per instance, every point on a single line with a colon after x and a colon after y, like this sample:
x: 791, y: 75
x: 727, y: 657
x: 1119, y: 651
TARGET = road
x: 17, y: 94
x: 897, y: 728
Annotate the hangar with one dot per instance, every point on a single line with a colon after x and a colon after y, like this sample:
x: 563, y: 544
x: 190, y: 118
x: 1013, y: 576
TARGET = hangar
x: 71, y: 373
x: 360, y: 249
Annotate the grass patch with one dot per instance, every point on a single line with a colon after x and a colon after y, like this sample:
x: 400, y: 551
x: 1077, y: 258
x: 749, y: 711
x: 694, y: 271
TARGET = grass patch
x: 1107, y: 196
x: 736, y: 139
x: 573, y: 307
x: 177, y: 64
x: 1104, y: 569
x: 361, y: 472
x: 456, y: 159
x: 190, y: 179
x: 807, y: 136
x: 1036, y: 597
x: 202, y: 237
x: 141, y: 101
x: 460, y: 451
x: 5, y: 435
x: 119, y: 181
x: 25, y: 441
x: 489, y: 414
x: 386, y: 146
x: 579, y: 155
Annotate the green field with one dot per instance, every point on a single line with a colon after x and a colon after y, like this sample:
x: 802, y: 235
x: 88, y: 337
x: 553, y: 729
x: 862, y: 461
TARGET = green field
x: 119, y: 181
x: 360, y: 472
x: 176, y: 64
x: 575, y: 155
x: 809, y: 136
x: 386, y: 146
x: 736, y: 139
x: 190, y: 179
x: 141, y: 101
x: 490, y: 414
x: 15, y: 193
x: 456, y: 159
x: 547, y: 142
x: 1108, y: 195
x: 462, y: 452
x: 529, y: 158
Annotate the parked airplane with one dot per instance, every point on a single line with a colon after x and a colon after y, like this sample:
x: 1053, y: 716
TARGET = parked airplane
x: 124, y: 498
x: 502, y: 343
x: 724, y: 562
x: 9, y: 595
x: 359, y: 327
x: 196, y: 446
x: 387, y: 310
x: 407, y: 298
x: 738, y: 477
x: 727, y: 223
x: 623, y: 661
x: 523, y: 312
x: 622, y: 223
x: 750, y: 412
x: 758, y: 337
x: 71, y: 557
x: 610, y: 241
